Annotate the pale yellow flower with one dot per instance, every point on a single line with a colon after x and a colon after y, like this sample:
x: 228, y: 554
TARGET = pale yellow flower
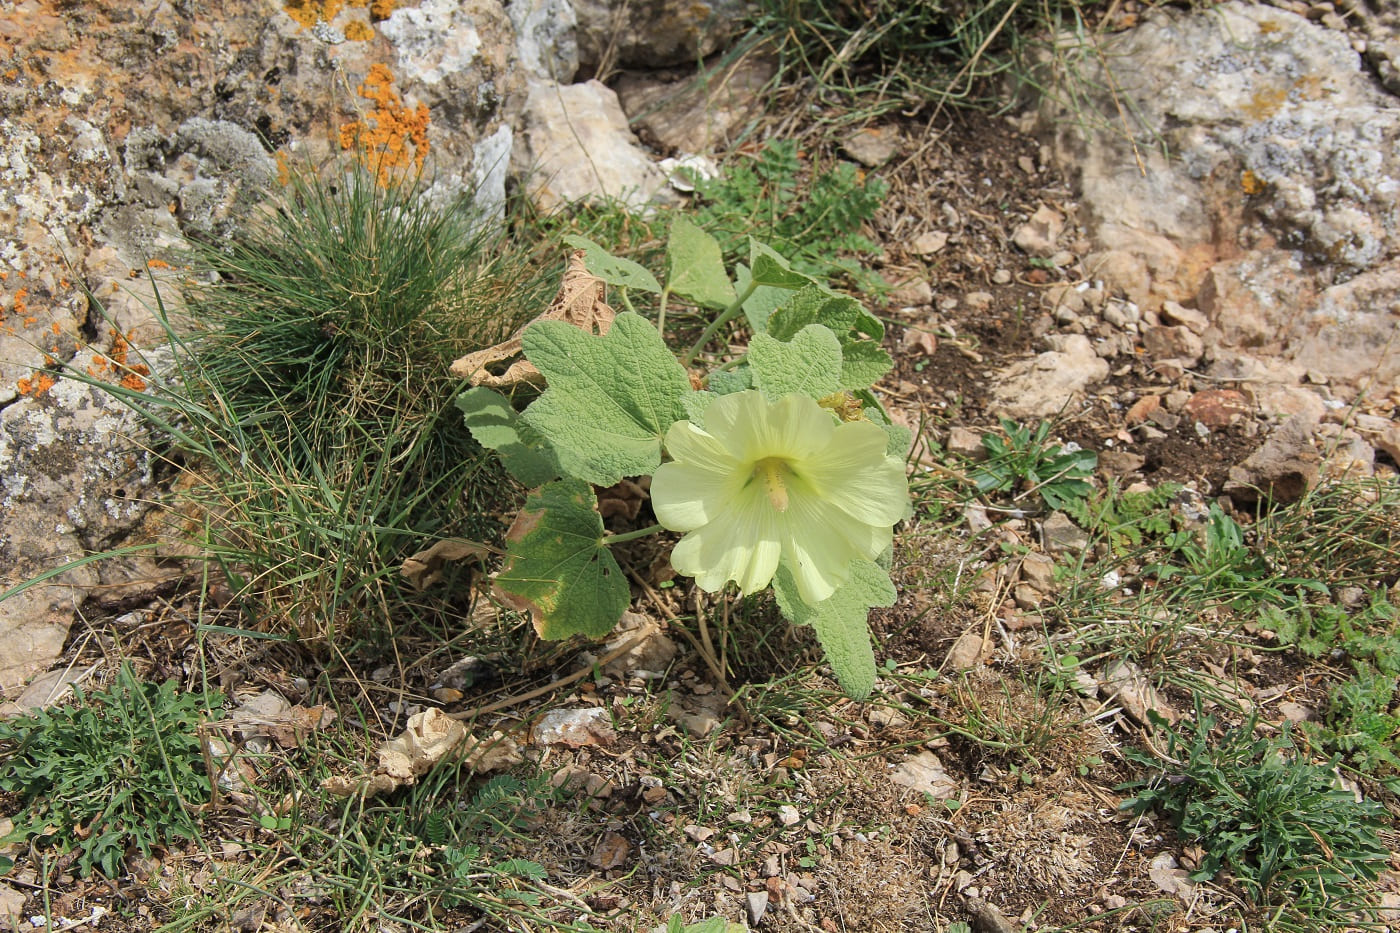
x: 764, y: 483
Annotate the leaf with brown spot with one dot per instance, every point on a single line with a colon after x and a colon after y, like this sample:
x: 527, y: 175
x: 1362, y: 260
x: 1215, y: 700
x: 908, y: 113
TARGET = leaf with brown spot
x: 557, y: 567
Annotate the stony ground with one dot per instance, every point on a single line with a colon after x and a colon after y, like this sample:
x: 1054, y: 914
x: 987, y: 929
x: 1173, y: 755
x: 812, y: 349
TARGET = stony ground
x: 965, y: 790
x: 969, y: 789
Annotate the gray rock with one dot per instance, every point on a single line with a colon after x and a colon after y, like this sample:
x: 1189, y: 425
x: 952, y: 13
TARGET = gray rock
x: 872, y: 146
x: 1173, y: 343
x: 966, y: 443
x: 654, y: 35
x: 75, y: 475
x: 545, y: 39
x: 1237, y: 89
x: 1043, y: 385
x: 1038, y: 570
x: 1060, y: 535
x: 698, y: 113
x: 1281, y: 470
x: 1037, y: 236
x: 577, y: 145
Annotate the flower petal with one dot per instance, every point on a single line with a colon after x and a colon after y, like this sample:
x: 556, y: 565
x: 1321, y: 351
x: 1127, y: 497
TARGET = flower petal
x: 741, y: 543
x: 820, y: 542
x: 854, y: 474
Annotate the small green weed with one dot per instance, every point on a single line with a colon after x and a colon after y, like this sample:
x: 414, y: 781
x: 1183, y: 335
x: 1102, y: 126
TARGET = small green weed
x: 1125, y: 520
x: 116, y: 769
x: 1023, y: 460
x: 1363, y: 724
x: 1370, y: 634
x: 1279, y: 823
x: 1216, y: 566
x: 811, y: 221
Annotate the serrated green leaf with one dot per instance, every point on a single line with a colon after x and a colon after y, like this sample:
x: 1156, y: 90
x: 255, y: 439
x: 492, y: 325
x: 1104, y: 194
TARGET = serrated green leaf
x: 557, y: 566
x: 762, y: 301
x: 840, y: 621
x: 768, y: 267
x: 815, y: 305
x: 609, y: 399
x: 695, y: 404
x: 615, y: 270
x: 863, y: 362
x: 497, y: 426
x: 696, y: 266
x: 810, y: 363
x: 729, y: 381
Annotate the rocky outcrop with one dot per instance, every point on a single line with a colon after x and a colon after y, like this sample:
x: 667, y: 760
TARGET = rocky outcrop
x: 1243, y: 160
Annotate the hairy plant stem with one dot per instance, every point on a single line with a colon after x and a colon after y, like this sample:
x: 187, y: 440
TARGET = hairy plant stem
x: 727, y: 315
x: 609, y: 540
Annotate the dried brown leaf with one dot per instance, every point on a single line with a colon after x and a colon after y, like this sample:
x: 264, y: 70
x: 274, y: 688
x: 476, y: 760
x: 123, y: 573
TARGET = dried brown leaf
x: 580, y: 302
x: 424, y: 569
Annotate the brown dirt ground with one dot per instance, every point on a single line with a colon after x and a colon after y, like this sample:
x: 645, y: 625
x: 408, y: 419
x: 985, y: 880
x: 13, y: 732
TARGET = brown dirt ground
x: 1035, y: 830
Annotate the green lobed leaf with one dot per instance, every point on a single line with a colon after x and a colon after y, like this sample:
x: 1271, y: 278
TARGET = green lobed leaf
x: 696, y: 266
x: 729, y: 381
x: 557, y: 566
x: 614, y: 270
x: 863, y: 362
x: 840, y: 621
x: 762, y: 301
x: 810, y: 363
x: 610, y: 398
x: 768, y: 267
x: 497, y: 426
x: 814, y: 305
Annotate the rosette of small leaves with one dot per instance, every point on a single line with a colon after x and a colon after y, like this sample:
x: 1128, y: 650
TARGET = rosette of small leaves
x: 115, y: 769
x: 1023, y: 460
x: 1279, y: 823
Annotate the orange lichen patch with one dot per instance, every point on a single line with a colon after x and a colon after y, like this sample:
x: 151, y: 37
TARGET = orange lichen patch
x: 22, y: 302
x: 391, y: 135
x: 1251, y: 183
x: 1266, y: 102
x: 158, y: 264
x: 381, y: 9
x: 358, y: 31
x: 133, y: 374
x: 308, y: 12
x: 36, y: 385
x: 55, y: 328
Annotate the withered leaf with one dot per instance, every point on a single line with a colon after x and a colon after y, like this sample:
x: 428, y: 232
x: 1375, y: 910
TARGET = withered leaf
x: 580, y: 302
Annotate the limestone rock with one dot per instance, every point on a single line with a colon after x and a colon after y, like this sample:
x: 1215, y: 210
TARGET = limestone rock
x: 1281, y: 470
x: 1060, y: 535
x: 654, y: 35
x: 1262, y: 109
x: 1037, y: 236
x: 696, y: 113
x: 872, y: 146
x: 1039, y: 387
x: 577, y: 145
x: 545, y: 40
x: 74, y: 476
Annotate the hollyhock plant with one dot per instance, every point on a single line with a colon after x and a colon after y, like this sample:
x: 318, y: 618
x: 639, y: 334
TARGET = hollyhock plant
x: 766, y: 483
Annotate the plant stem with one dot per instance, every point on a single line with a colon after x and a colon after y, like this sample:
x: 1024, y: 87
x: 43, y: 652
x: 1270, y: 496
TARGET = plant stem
x: 610, y: 540
x: 626, y: 302
x: 727, y: 315
x: 661, y: 312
